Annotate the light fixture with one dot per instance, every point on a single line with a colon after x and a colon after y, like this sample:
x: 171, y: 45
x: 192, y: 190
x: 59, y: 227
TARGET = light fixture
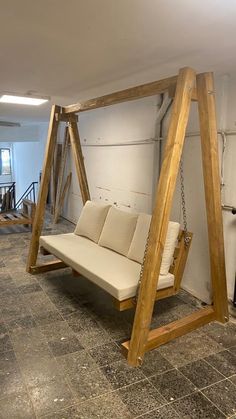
x: 23, y: 100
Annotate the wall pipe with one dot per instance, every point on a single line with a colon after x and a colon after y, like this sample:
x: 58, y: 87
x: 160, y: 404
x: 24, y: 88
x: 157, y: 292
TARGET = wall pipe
x: 150, y: 140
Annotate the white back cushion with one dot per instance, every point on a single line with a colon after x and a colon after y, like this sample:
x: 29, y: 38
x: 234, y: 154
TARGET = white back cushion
x: 118, y: 231
x: 138, y: 243
x: 170, y: 243
x: 92, y: 220
x: 137, y: 247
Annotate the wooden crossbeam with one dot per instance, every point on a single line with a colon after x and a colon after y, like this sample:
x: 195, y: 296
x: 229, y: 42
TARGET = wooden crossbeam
x: 131, y: 303
x: 46, y: 267
x: 137, y: 92
x: 61, y: 117
x: 14, y: 221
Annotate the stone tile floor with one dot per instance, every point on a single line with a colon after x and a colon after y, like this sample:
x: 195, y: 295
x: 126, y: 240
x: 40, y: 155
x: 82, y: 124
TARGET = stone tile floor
x: 60, y: 355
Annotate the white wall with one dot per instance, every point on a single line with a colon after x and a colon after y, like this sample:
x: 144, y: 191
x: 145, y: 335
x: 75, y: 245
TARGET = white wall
x: 123, y: 175
x: 23, y: 133
x: 28, y: 160
x: 27, y: 144
x: 27, y: 164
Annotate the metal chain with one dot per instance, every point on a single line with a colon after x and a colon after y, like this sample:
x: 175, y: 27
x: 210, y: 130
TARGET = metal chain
x: 181, y: 172
x: 186, y: 236
x: 141, y: 270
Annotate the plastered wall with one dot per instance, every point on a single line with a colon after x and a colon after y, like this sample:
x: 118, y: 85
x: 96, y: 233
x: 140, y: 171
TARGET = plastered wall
x: 118, y: 172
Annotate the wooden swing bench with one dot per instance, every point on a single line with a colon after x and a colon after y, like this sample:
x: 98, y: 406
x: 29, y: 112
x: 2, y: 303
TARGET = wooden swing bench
x: 185, y: 88
x: 107, y: 247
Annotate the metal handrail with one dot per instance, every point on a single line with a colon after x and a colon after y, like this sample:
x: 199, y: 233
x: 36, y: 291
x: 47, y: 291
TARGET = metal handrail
x: 30, y: 192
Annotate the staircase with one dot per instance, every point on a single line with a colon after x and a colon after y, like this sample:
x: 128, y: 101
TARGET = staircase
x: 21, y: 212
x: 29, y: 194
x: 8, y: 196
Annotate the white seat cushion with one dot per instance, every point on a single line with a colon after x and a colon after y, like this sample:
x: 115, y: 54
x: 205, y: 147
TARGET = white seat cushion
x: 111, y: 271
x: 92, y: 220
x: 118, y: 230
x: 137, y: 247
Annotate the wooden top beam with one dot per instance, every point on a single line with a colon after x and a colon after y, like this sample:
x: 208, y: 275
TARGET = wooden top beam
x: 137, y: 92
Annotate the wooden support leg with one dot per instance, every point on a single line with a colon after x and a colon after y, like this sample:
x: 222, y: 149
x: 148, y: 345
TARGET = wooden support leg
x: 78, y: 157
x: 160, y: 218
x: 40, y: 209
x: 210, y: 158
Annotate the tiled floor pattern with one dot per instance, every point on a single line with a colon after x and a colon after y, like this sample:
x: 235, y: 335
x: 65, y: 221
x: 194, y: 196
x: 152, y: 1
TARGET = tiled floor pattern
x: 60, y: 356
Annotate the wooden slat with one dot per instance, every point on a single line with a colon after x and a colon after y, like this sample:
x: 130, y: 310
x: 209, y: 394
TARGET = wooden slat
x: 63, y: 118
x: 210, y: 158
x: 61, y: 175
x: 15, y: 221
x: 62, y: 196
x: 25, y: 216
x: 130, y: 302
x: 29, y: 208
x: 46, y: 267
x: 164, y: 334
x: 18, y: 215
x: 55, y: 174
x: 10, y: 216
x: 177, y: 269
x: 137, y: 92
x: 43, y: 192
x: 161, y: 214
x: 78, y: 158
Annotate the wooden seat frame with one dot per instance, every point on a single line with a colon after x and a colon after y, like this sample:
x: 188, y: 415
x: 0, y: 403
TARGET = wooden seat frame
x: 177, y: 269
x: 185, y: 87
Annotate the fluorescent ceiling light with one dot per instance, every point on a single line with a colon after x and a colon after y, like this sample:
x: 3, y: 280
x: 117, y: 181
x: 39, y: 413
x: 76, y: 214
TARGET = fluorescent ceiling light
x: 23, y: 100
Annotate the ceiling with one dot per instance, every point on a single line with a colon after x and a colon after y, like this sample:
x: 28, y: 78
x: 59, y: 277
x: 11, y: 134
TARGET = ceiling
x: 65, y: 49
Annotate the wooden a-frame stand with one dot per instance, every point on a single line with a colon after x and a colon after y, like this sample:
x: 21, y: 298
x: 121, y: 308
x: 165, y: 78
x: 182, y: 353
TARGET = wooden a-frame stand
x: 185, y: 87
